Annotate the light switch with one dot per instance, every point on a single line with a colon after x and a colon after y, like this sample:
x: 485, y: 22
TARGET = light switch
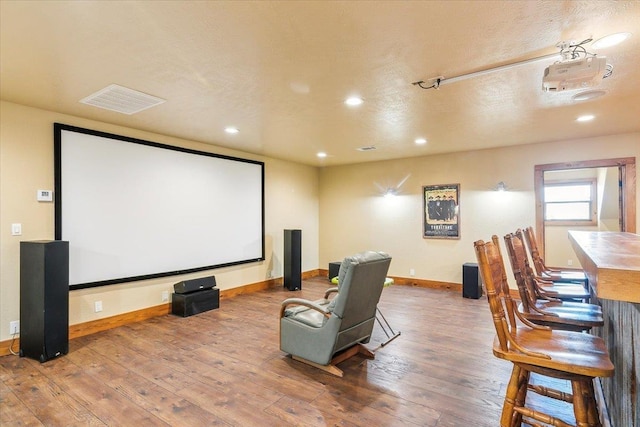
x: 16, y: 229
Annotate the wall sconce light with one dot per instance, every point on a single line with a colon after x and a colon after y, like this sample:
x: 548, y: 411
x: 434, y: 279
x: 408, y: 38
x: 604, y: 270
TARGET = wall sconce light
x: 391, y: 192
x: 387, y: 189
x: 501, y: 186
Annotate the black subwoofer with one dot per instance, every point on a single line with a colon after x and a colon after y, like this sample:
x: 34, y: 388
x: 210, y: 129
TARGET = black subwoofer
x: 334, y: 269
x: 195, y: 302
x: 44, y: 299
x: 293, y: 259
x: 471, y: 281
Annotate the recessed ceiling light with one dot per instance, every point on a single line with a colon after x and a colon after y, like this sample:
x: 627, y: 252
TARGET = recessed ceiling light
x: 353, y: 101
x: 588, y: 95
x: 231, y: 130
x: 322, y: 154
x: 610, y: 40
x: 420, y: 141
x: 585, y: 118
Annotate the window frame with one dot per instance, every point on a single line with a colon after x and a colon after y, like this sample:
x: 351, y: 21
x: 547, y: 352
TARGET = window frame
x: 593, y: 202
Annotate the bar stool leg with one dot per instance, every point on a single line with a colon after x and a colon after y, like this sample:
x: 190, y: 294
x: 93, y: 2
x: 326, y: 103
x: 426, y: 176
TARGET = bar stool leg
x: 584, y: 403
x: 508, y: 414
x: 521, y: 397
x: 592, y: 409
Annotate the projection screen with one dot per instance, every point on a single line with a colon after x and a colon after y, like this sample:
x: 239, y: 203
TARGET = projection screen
x: 134, y: 209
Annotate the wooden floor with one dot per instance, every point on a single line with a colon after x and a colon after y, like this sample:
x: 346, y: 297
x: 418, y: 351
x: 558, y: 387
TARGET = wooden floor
x: 224, y: 367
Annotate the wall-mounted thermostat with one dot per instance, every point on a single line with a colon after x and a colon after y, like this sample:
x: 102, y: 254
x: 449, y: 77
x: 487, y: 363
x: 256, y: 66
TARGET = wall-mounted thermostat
x: 45, y: 196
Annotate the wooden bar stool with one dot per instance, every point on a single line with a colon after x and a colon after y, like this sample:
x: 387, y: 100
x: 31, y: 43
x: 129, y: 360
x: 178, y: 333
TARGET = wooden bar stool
x: 557, y: 314
x: 567, y: 291
x: 553, y: 274
x: 568, y: 355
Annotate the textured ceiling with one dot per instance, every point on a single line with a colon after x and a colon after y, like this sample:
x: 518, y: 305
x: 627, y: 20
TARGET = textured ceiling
x: 280, y: 71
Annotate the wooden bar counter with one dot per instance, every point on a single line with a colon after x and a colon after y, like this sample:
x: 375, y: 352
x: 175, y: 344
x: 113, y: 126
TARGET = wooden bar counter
x: 611, y: 261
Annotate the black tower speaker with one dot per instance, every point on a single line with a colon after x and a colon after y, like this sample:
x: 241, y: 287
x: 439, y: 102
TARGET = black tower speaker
x: 293, y: 259
x: 471, y: 281
x: 44, y: 299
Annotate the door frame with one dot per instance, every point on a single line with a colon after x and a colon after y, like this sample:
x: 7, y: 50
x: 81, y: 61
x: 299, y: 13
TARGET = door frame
x: 627, y: 168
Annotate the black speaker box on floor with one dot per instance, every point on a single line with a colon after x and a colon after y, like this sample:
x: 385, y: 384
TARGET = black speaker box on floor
x: 44, y: 299
x: 471, y: 281
x: 293, y: 259
x: 193, y: 285
x: 195, y: 302
x: 334, y: 269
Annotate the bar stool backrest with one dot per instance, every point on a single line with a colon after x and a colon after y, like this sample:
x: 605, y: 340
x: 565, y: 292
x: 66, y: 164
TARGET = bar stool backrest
x: 530, y: 238
x: 500, y: 302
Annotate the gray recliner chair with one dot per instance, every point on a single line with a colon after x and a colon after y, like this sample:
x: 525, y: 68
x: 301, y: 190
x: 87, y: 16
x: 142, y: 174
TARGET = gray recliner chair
x: 324, y: 333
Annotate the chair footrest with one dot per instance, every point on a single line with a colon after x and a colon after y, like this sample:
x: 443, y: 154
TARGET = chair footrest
x: 550, y: 392
x: 340, y: 357
x: 540, y: 416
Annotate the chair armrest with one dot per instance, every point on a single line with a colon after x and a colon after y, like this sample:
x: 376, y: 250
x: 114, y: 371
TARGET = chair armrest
x: 529, y: 323
x: 304, y: 302
x: 330, y: 291
x: 543, y: 312
x: 544, y: 280
x: 546, y: 296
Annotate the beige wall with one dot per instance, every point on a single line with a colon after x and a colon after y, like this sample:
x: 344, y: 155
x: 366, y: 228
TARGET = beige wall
x: 354, y: 216
x: 26, y: 165
x: 339, y: 209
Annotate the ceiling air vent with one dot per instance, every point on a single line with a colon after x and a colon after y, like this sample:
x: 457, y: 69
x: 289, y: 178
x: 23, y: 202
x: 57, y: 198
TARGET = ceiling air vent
x: 368, y: 148
x: 121, y: 99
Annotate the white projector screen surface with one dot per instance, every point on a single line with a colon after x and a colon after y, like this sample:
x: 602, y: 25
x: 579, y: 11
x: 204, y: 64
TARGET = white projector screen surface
x: 134, y: 209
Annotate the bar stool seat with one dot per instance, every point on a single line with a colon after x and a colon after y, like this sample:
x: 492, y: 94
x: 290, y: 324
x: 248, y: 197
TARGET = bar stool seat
x: 567, y: 351
x: 564, y: 316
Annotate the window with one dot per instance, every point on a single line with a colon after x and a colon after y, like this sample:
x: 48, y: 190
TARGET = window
x: 570, y: 202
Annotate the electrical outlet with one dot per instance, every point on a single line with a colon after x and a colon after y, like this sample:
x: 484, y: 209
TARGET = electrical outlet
x: 14, y: 327
x: 165, y: 296
x: 97, y: 306
x: 569, y: 262
x: 412, y: 272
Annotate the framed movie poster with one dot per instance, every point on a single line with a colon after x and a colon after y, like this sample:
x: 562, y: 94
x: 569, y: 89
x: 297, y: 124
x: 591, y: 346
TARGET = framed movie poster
x: 441, y: 211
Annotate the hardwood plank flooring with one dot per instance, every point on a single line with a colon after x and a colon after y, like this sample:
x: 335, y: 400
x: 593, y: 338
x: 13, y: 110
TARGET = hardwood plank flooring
x: 224, y: 367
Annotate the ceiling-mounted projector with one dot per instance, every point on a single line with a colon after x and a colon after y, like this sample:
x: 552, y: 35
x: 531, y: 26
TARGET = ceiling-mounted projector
x: 574, y: 74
